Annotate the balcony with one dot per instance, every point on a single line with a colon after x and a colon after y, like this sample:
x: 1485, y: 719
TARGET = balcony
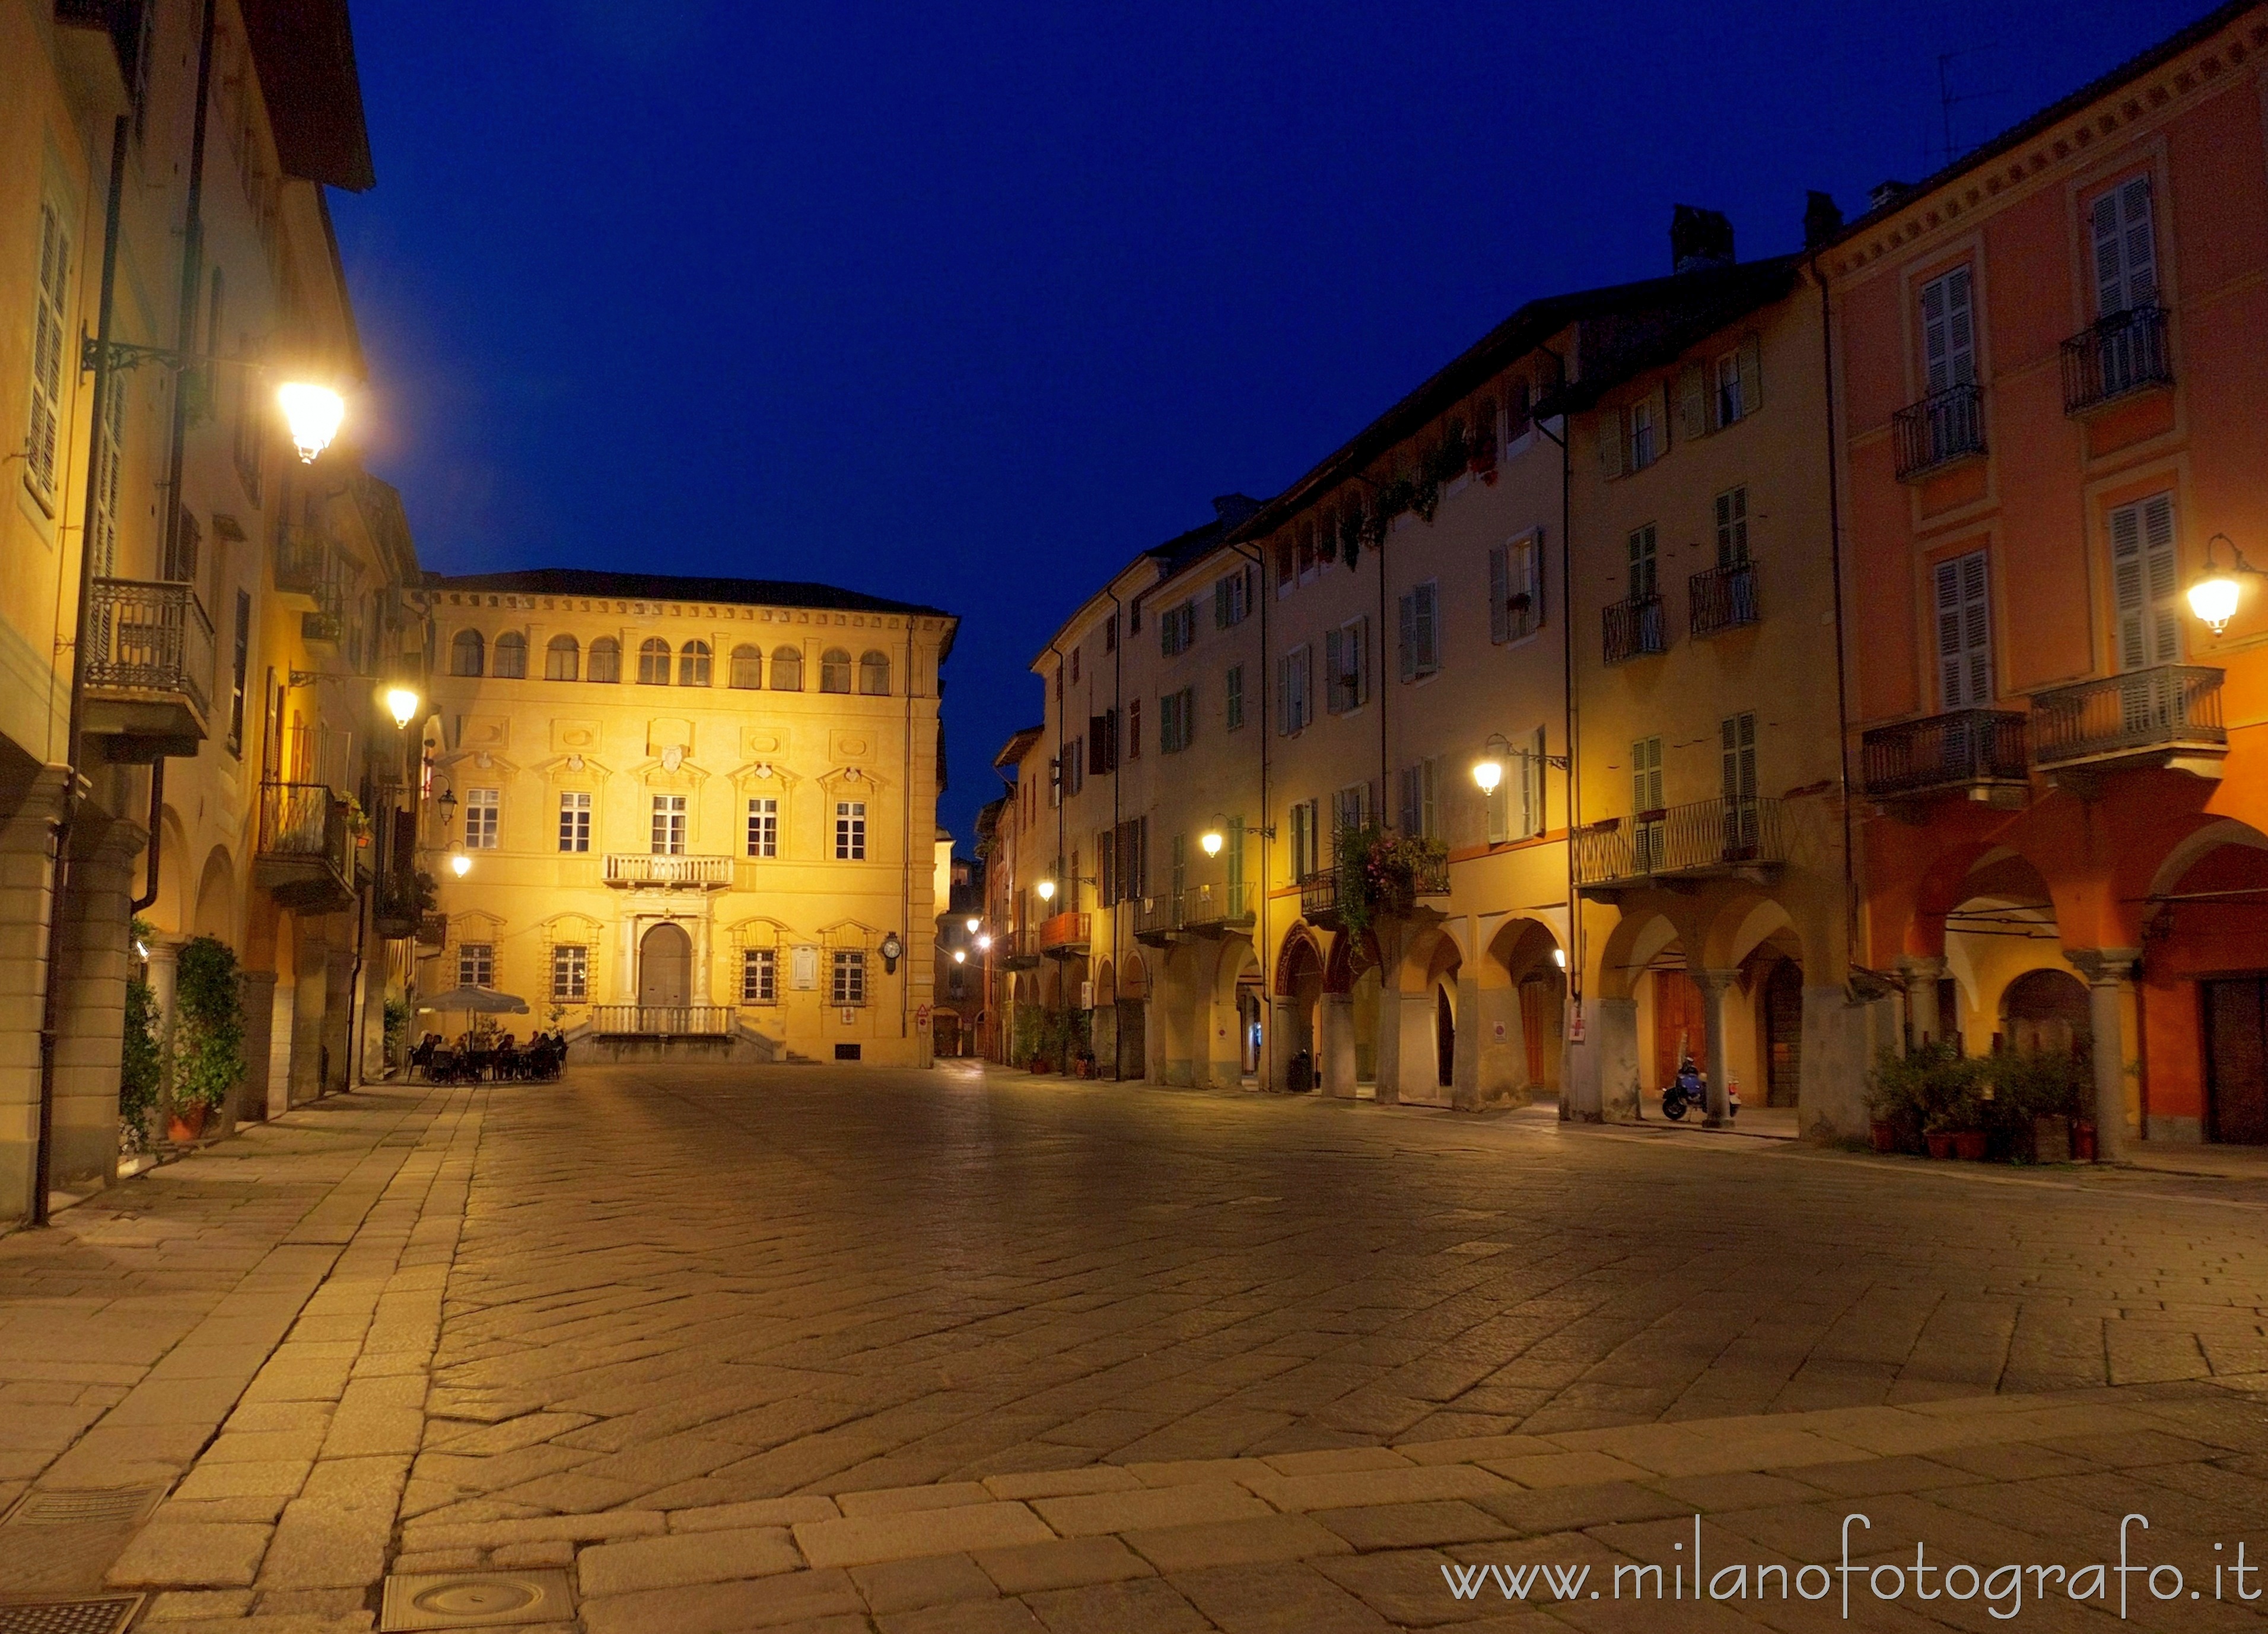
x: 1019, y: 949
x: 1319, y: 898
x: 305, y: 859
x: 1633, y: 629
x: 1679, y: 845
x: 1066, y: 934
x: 1210, y: 909
x: 149, y: 664
x: 2123, y: 354
x: 700, y: 873
x: 1723, y: 598
x: 1943, y: 429
x: 2168, y: 715
x: 433, y: 931
x: 1977, y: 753
x: 303, y: 567
x: 662, y: 1020
x: 1158, y: 919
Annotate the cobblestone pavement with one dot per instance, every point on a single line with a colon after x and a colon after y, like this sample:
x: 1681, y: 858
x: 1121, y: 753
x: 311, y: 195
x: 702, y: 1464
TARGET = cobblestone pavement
x: 820, y: 1349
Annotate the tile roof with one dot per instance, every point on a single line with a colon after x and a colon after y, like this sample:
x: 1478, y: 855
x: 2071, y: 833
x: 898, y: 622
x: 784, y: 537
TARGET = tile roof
x: 771, y: 592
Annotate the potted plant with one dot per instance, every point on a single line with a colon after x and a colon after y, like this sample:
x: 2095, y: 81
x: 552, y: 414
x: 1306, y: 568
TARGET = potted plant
x: 208, y: 1057
x: 141, y: 1065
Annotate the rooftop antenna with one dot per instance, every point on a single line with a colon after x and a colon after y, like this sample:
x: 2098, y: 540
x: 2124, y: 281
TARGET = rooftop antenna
x: 1947, y: 100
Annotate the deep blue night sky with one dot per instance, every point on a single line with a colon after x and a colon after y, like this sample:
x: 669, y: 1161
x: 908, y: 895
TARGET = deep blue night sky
x: 966, y: 305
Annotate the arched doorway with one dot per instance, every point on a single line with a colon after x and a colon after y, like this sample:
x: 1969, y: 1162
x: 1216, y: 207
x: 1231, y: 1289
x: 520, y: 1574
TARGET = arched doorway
x: 1444, y: 1037
x: 1133, y: 990
x: 2046, y: 1012
x: 665, y: 966
x: 1783, y: 1031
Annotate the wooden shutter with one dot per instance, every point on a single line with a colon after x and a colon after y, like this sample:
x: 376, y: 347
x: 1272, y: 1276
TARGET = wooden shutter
x: 1429, y: 791
x: 1283, y: 695
x: 1408, y: 608
x: 1427, y: 602
x: 1692, y: 403
x: 1948, y: 335
x: 1752, y: 375
x: 1334, y: 667
x: 2125, y: 249
x: 1737, y: 753
x: 1220, y: 604
x: 1532, y: 807
x: 1357, y: 645
x: 1500, y: 593
x: 1646, y: 775
x: 2143, y: 574
x: 1964, y: 633
x: 50, y: 340
x: 1612, y: 437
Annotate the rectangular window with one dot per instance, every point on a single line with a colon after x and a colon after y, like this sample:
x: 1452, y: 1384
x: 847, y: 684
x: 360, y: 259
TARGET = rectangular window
x: 1232, y: 600
x: 1351, y: 808
x: 2125, y: 249
x: 1346, y: 666
x: 1645, y: 433
x: 571, y: 975
x: 759, y: 976
x: 1179, y: 857
x: 1516, y: 588
x: 482, y: 812
x: 1177, y: 628
x: 1293, y: 697
x: 1421, y: 620
x: 240, y: 658
x: 1232, y: 692
x: 1420, y: 788
x: 763, y: 826
x: 1531, y: 814
x: 1177, y: 720
x: 1110, y: 634
x: 574, y: 821
x: 476, y: 964
x: 2145, y: 577
x: 50, y: 340
x: 1645, y: 567
x: 1737, y: 744
x: 1948, y: 335
x: 1732, y: 527
x: 1134, y: 729
x: 1284, y: 569
x: 668, y: 828
x: 1964, y: 632
x: 1306, y: 850
x: 1646, y: 834
x: 849, y: 832
x: 1074, y: 662
x: 106, y: 494
x: 849, y: 988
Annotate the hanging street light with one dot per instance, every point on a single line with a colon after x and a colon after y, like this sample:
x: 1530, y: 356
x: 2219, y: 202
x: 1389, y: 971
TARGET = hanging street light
x: 314, y: 413
x: 1047, y: 890
x: 459, y: 864
x: 1488, y: 771
x: 973, y: 922
x: 2213, y: 597
x: 401, y: 704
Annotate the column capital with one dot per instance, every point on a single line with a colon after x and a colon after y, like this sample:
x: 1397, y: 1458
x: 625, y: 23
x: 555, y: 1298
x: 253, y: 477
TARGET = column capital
x: 2105, y: 967
x: 1710, y: 980
x: 1921, y: 967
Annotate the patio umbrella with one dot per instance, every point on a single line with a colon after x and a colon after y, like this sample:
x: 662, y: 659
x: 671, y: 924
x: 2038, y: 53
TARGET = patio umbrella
x: 484, y: 1001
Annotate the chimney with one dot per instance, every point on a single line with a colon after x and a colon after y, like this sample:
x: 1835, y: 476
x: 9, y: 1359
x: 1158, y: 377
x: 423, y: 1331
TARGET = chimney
x: 1886, y: 193
x: 1822, y: 219
x: 1700, y: 238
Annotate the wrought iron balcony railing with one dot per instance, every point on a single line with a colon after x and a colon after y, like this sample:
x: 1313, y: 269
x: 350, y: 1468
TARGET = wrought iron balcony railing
x: 303, y: 562
x: 1723, y: 598
x: 149, y: 638
x: 1704, y: 837
x: 2166, y: 710
x: 662, y: 1020
x: 1633, y: 629
x: 1319, y: 897
x: 1066, y: 931
x: 1943, y: 427
x: 1961, y: 750
x: 306, y: 855
x: 646, y: 868
x: 1157, y: 915
x: 1222, y: 904
x: 2125, y: 352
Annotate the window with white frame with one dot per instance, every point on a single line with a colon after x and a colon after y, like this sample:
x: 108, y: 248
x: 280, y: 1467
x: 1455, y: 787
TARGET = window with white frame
x: 1948, y: 332
x: 2125, y: 249
x: 1346, y: 666
x: 1644, y: 564
x: 1732, y: 527
x: 483, y: 810
x: 1232, y: 600
x: 2146, y: 581
x: 571, y: 972
x: 763, y: 825
x: 1516, y: 588
x: 476, y: 964
x: 574, y: 820
x: 1351, y: 808
x: 1420, y: 792
x: 1177, y: 720
x: 50, y: 340
x: 1306, y: 847
x: 759, y: 976
x: 1421, y: 630
x: 850, y: 831
x: 1177, y: 628
x: 1645, y: 433
x: 1233, y: 693
x: 850, y: 984
x: 1293, y: 699
x: 1964, y: 631
x: 668, y: 825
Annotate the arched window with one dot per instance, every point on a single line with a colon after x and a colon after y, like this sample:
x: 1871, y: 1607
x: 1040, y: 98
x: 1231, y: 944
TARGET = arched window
x: 787, y: 669
x: 606, y: 660
x: 747, y: 667
x: 874, y: 674
x: 653, y: 662
x: 559, y: 658
x: 693, y: 664
x: 512, y: 655
x: 465, y: 653
x: 835, y: 670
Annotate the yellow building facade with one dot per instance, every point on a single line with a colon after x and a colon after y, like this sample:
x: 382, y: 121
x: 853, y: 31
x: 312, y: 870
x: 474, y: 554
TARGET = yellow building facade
x: 695, y: 817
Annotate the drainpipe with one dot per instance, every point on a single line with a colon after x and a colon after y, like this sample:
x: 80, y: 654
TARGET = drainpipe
x: 157, y: 811
x: 1118, y: 865
x: 1263, y: 593
x: 906, y: 878
x: 1572, y: 709
x: 185, y: 325
x: 1842, y: 666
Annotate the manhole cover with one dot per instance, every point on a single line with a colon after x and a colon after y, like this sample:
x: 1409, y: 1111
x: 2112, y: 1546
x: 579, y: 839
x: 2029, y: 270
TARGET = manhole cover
x: 96, y: 1505
x: 471, y: 1600
x: 106, y: 1615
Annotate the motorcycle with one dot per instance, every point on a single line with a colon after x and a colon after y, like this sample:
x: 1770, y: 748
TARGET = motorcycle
x: 1690, y: 1089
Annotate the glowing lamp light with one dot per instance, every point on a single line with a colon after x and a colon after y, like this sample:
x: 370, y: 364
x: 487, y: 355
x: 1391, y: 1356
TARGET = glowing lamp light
x: 1488, y: 771
x: 2214, y: 599
x: 960, y: 955
x: 1212, y: 841
x: 984, y: 943
x: 1560, y: 957
x: 1047, y: 889
x: 972, y: 923
x: 314, y: 413
x: 460, y: 864
x: 401, y: 704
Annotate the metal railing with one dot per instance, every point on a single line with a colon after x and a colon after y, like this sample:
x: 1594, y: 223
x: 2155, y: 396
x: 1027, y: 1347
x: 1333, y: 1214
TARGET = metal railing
x: 1943, y: 751
x: 304, y: 820
x: 1156, y: 915
x: 2125, y: 352
x: 1430, y: 877
x: 1941, y: 428
x: 1216, y: 904
x: 1703, y: 837
x: 1723, y: 598
x: 302, y: 561
x: 662, y: 1020
x: 147, y: 637
x: 646, y: 868
x: 1633, y: 629
x: 1319, y: 894
x: 1069, y: 929
x: 433, y: 931
x: 2170, y: 706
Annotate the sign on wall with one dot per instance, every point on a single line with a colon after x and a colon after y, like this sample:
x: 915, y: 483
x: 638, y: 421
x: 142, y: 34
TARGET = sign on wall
x: 803, y: 968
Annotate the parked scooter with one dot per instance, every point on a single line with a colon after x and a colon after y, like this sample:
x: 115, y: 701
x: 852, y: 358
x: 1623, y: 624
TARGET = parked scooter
x: 1690, y: 1089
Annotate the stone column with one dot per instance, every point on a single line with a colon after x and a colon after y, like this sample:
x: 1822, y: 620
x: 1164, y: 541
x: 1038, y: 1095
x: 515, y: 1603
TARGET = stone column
x: 1502, y: 1060
x: 27, y: 878
x: 2107, y: 971
x: 338, y: 1007
x: 1922, y: 974
x: 1335, y: 1057
x: 1283, y: 1043
x: 1613, y: 1041
x: 1389, y: 1045
x: 257, y: 988
x: 1472, y: 1044
x: 92, y: 965
x: 1712, y: 984
x: 310, y: 998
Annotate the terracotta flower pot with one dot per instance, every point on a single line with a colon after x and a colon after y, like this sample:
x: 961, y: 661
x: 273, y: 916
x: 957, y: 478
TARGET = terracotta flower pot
x: 1885, y: 1136
x: 2082, y: 1142
x: 185, y: 1124
x: 1940, y: 1145
x: 1038, y: 1065
x: 1969, y: 1145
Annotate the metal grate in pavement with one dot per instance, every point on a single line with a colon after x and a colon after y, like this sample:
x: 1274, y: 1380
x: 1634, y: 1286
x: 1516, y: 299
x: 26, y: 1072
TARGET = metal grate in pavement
x: 107, y: 1506
x: 109, y: 1615
x: 472, y: 1600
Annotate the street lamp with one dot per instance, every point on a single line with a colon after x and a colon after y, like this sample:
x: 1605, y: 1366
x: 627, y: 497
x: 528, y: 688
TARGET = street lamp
x: 1047, y: 890
x: 960, y: 955
x: 2213, y: 597
x: 972, y: 923
x: 1488, y: 771
x: 401, y: 704
x: 983, y: 943
x: 313, y: 414
x: 1213, y: 839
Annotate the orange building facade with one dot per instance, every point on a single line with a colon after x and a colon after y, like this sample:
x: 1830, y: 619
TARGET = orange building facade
x: 2051, y: 378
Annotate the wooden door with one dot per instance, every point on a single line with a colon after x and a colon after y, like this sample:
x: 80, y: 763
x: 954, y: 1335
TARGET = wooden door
x: 2237, y: 1059
x: 1679, y: 1023
x: 1784, y: 1035
x: 665, y: 967
x: 1132, y: 1064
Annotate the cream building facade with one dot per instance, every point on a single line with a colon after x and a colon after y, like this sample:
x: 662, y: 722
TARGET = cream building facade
x: 698, y: 816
